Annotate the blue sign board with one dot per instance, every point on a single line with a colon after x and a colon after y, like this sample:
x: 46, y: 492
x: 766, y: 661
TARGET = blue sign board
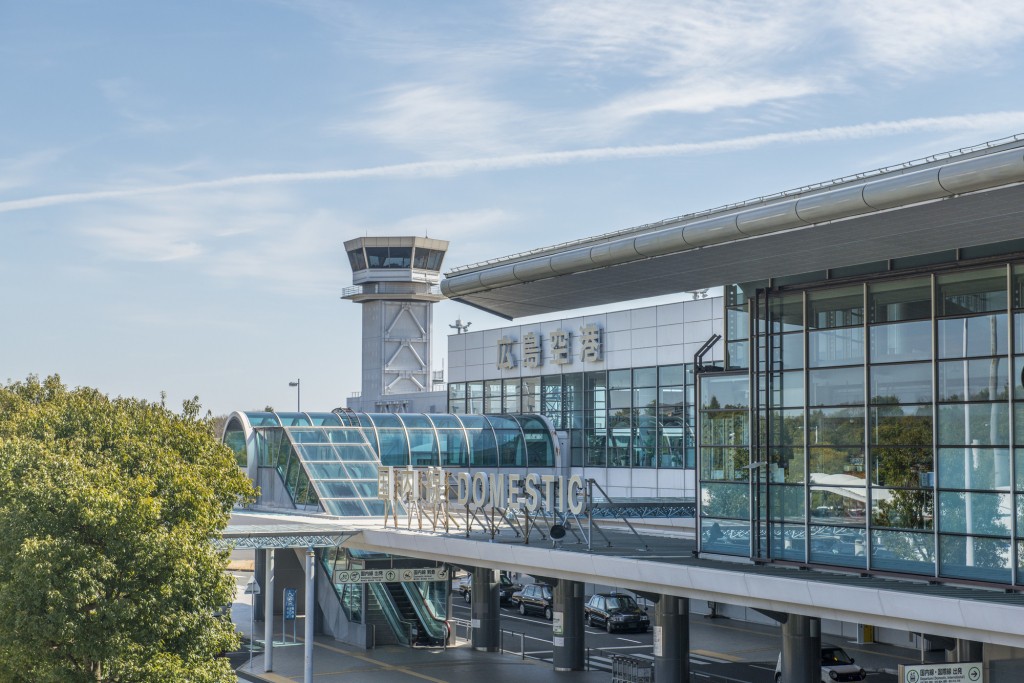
x: 289, y: 603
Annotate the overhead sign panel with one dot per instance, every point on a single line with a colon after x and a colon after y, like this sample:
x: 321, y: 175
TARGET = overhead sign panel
x: 392, y: 575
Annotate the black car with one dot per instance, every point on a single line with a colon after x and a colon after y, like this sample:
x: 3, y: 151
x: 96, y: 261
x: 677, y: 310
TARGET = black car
x: 507, y: 589
x: 535, y: 598
x: 616, y: 612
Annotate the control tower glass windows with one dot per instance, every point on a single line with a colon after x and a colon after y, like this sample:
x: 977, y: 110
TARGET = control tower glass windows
x: 357, y: 259
x: 428, y: 259
x: 389, y: 257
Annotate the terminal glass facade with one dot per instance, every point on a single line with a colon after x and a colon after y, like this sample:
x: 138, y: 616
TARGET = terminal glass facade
x: 887, y: 425
x: 632, y: 417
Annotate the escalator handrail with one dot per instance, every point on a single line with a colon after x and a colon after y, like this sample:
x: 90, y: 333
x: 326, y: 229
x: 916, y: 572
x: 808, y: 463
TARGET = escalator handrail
x: 399, y: 624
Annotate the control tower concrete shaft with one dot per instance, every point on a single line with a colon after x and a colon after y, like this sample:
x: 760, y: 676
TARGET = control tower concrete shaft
x: 395, y: 279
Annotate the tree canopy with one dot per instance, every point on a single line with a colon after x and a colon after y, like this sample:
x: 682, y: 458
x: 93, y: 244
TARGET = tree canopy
x: 107, y: 511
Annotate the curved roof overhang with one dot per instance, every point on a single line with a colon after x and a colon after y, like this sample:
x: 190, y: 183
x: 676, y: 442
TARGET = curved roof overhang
x: 950, y: 204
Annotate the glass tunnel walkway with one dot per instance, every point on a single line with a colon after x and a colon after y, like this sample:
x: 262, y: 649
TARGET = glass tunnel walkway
x: 327, y: 462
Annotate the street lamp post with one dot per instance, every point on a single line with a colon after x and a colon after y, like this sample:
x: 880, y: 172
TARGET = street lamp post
x: 298, y: 394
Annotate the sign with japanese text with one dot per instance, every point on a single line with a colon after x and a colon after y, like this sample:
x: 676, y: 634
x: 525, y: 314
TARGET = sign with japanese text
x: 960, y: 672
x: 392, y: 575
x: 289, y: 603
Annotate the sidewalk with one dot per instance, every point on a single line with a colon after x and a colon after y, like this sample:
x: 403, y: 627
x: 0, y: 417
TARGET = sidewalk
x: 334, y: 662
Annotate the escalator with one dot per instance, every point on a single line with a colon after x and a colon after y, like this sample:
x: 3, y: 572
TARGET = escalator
x: 427, y: 628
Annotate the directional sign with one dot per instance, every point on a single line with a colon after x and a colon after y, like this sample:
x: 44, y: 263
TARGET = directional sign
x: 252, y: 588
x: 392, y: 575
x: 958, y: 672
x: 289, y: 603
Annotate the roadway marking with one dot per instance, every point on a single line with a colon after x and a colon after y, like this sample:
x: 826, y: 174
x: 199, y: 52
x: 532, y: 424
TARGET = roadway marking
x: 628, y: 640
x: 717, y: 655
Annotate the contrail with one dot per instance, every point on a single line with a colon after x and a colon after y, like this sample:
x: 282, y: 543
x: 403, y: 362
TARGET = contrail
x: 1009, y: 120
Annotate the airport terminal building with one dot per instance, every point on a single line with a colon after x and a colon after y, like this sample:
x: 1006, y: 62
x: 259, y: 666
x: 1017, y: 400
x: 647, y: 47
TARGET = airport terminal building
x: 849, y: 402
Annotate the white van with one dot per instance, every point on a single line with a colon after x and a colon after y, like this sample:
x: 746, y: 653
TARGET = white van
x: 836, y: 665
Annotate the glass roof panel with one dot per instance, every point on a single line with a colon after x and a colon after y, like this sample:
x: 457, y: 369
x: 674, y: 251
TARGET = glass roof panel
x: 325, y: 419
x: 385, y: 419
x: 416, y: 421
x: 260, y: 419
x: 294, y: 419
x: 446, y: 421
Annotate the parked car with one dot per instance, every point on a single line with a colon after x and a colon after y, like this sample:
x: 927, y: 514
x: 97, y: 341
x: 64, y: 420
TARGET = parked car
x: 616, y: 612
x: 836, y: 665
x: 535, y: 598
x: 506, y: 590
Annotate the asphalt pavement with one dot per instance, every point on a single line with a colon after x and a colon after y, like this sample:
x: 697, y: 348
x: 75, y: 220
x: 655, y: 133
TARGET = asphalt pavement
x: 723, y: 647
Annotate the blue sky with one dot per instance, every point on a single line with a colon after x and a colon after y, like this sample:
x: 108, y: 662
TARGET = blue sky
x: 177, y: 178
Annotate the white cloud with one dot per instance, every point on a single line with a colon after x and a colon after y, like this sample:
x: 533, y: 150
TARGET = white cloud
x: 911, y: 38
x: 1003, y: 122
x: 444, y: 121
x: 26, y: 170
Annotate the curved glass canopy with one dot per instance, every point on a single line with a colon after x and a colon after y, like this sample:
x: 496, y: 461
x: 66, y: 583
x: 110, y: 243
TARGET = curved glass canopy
x: 330, y: 460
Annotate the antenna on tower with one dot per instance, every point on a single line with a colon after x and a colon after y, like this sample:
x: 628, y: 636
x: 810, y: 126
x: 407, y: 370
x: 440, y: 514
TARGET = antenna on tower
x: 460, y: 326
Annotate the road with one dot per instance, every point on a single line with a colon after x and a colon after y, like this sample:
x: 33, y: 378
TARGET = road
x: 723, y: 647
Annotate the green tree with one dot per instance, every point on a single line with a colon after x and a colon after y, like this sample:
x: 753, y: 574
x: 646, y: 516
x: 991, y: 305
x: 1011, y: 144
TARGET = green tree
x: 107, y: 511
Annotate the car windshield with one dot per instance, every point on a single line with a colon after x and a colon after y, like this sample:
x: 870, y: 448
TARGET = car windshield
x: 621, y: 602
x: 833, y: 656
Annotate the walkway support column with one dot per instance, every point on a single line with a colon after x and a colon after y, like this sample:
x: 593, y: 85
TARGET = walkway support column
x: 567, y: 633
x: 485, y: 610
x: 801, y: 649
x: 268, y: 613
x: 307, y: 674
x: 672, y: 639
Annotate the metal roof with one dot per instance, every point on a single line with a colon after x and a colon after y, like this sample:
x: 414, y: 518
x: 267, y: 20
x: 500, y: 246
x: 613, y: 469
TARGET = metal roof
x: 963, y: 201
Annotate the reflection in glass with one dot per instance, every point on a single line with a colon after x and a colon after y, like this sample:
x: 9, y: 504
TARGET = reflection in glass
x: 835, y: 386
x: 836, y: 427
x: 827, y: 348
x: 982, y: 379
x: 984, y: 335
x: 901, y: 342
x: 903, y: 551
x: 725, y: 500
x: 984, y: 559
x: 838, y: 546
x: 901, y: 425
x: 974, y: 513
x: 902, y: 508
x: 974, y: 423
x: 903, y: 466
x: 974, y: 467
x: 910, y: 383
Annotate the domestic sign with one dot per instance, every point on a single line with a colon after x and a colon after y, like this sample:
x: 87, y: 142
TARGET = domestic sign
x: 659, y: 650
x: 392, y: 575
x: 960, y: 672
x: 289, y: 603
x: 514, y: 491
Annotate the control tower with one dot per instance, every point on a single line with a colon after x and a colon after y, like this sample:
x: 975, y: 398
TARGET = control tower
x: 396, y: 281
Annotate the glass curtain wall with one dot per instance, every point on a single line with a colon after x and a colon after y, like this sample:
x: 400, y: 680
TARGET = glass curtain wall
x: 639, y: 417
x: 725, y: 509
x: 888, y: 418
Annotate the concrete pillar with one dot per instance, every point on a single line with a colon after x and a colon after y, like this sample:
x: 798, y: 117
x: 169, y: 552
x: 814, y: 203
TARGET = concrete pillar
x: 567, y: 632
x: 801, y: 649
x: 965, y: 651
x: 672, y: 640
x: 307, y: 672
x: 268, y: 612
x: 485, y: 610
